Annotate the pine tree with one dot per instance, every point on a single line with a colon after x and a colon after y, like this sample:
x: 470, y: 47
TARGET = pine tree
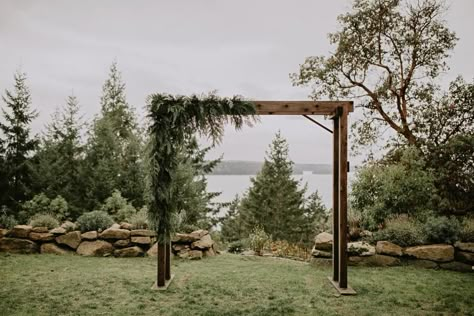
x: 233, y: 228
x: 114, y: 148
x: 274, y: 200
x: 316, y: 217
x: 18, y: 145
x: 60, y: 158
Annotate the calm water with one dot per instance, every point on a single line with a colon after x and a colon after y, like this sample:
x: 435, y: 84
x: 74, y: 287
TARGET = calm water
x: 230, y: 185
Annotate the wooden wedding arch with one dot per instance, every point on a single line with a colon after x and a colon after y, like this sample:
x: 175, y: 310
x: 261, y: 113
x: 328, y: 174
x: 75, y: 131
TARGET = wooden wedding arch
x: 338, y: 111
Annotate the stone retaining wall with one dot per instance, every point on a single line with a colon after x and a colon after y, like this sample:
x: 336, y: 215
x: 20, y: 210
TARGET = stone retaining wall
x: 118, y: 241
x: 457, y: 257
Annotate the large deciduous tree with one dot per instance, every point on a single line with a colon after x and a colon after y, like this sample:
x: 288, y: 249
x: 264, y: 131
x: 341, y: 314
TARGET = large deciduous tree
x: 387, y: 54
x: 18, y: 145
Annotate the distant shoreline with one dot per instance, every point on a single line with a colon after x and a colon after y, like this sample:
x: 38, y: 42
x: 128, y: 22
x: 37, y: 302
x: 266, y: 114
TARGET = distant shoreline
x: 238, y: 167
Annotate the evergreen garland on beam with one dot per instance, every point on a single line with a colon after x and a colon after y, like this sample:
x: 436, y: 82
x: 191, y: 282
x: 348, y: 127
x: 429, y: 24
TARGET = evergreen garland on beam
x: 174, y: 119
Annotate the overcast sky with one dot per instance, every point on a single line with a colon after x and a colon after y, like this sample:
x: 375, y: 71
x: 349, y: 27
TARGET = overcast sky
x: 243, y: 47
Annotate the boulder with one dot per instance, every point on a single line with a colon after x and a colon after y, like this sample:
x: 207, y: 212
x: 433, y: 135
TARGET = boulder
x: 426, y: 264
x: 184, y: 238
x: 41, y: 236
x: 92, y: 235
x: 388, y: 248
x: 20, y: 231
x: 205, y: 242
x: 115, y: 233
x: 153, y: 251
x: 437, y: 252
x: 122, y: 243
x: 141, y: 240
x: 209, y: 252
x: 195, y: 254
x: 143, y: 232
x: 3, y: 232
x: 124, y: 225
x: 184, y: 253
x: 199, y: 233
x: 52, y: 248
x: 465, y: 246
x: 95, y: 248
x: 457, y: 266
x: 366, y: 233
x: 320, y: 253
x: 129, y: 252
x: 374, y: 261
x: 40, y: 230
x: 115, y: 226
x: 360, y: 248
x: 72, y: 239
x: 465, y: 257
x: 58, y: 231
x: 179, y: 247
x: 323, y: 241
x: 15, y: 245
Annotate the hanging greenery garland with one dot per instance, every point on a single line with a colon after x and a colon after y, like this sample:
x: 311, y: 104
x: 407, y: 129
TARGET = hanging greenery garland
x: 173, y: 120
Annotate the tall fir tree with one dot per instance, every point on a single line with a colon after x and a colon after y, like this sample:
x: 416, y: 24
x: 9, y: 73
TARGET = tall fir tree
x: 274, y: 201
x: 115, y: 148
x: 18, y: 145
x: 60, y: 158
x: 233, y: 227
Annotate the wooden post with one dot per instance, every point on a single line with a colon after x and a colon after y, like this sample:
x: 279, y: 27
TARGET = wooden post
x: 168, y: 261
x: 161, y: 280
x: 335, y: 201
x: 343, y: 200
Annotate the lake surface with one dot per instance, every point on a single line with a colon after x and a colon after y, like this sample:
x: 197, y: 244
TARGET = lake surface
x: 230, y: 185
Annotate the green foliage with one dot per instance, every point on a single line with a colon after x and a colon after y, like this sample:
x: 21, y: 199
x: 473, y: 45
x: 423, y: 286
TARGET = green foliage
x: 7, y: 221
x: 237, y: 246
x: 259, y: 240
x: 114, y: 149
x: 118, y: 207
x: 139, y: 220
x: 232, y: 224
x: 18, y: 144
x: 173, y: 120
x: 60, y: 158
x: 441, y: 229
x: 41, y: 204
x: 388, y: 52
x: 381, y: 190
x: 317, y: 216
x: 44, y: 220
x: 275, y: 200
x: 467, y: 231
x: 95, y: 220
x: 401, y: 230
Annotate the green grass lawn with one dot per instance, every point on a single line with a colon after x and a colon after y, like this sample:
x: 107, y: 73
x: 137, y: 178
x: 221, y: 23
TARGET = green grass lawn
x: 223, y: 285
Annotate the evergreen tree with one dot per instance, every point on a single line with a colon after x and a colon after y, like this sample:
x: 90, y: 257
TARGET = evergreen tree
x: 60, y: 158
x: 114, y: 148
x: 316, y: 216
x: 18, y: 145
x: 275, y: 201
x: 233, y: 228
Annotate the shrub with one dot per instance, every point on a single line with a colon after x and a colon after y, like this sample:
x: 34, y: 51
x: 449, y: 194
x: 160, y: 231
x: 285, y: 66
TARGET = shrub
x: 125, y: 214
x: 59, y: 207
x: 44, y: 220
x: 41, y: 204
x: 282, y: 248
x: 441, y: 229
x: 7, y: 221
x: 467, y: 231
x: 69, y: 226
x: 95, y: 220
x: 402, y: 231
x: 401, y: 187
x: 139, y: 220
x: 237, y: 246
x: 258, y: 240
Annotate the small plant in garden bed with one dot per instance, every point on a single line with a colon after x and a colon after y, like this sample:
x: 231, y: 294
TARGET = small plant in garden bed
x: 95, y: 220
x: 441, y: 229
x: 258, y: 240
x: 282, y: 248
x: 44, y: 220
x: 401, y: 230
x: 467, y: 231
x: 237, y: 246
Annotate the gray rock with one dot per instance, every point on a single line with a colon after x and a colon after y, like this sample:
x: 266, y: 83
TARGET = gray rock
x: 143, y: 232
x: 20, y: 231
x: 388, y: 248
x: 95, y: 248
x: 52, y: 248
x: 457, y: 266
x: 437, y: 252
x: 58, y: 231
x: 465, y: 257
x: 129, y: 252
x: 68, y: 226
x: 115, y: 226
x: 122, y: 243
x: 320, y: 253
x: 15, y: 245
x: 140, y: 240
x: 209, y: 252
x: 114, y: 233
x: 184, y: 238
x: 40, y: 230
x: 153, y: 251
x: 72, y: 239
x: 195, y: 254
x: 360, y: 248
x: 124, y: 225
x: 205, y: 242
x: 323, y: 241
x: 465, y: 246
x: 92, y: 235
x: 41, y: 236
